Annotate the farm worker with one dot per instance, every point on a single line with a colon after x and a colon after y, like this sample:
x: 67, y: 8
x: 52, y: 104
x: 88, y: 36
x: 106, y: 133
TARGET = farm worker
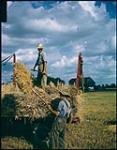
x: 42, y: 66
x: 56, y: 135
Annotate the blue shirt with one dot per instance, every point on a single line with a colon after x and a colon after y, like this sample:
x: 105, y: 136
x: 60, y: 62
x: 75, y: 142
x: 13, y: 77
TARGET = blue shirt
x: 64, y: 108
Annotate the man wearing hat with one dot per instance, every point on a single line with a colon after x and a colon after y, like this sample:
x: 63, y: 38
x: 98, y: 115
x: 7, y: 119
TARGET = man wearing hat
x: 56, y: 135
x: 42, y: 66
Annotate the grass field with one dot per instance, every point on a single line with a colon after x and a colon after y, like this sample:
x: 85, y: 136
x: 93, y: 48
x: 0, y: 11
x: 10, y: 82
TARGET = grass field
x: 98, y: 128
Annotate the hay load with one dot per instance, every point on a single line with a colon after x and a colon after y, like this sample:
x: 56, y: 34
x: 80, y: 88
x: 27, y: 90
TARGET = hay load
x: 23, y: 105
x: 23, y: 102
x: 7, y: 88
x: 51, y: 90
x: 78, y: 101
x: 23, y: 78
x: 26, y: 105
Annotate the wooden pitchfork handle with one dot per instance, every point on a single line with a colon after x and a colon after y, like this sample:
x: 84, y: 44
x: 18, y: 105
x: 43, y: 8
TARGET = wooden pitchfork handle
x: 49, y: 107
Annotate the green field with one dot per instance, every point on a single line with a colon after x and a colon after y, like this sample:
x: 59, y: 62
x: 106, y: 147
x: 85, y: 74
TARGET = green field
x: 98, y: 128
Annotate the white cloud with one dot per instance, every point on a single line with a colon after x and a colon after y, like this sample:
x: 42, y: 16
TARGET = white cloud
x: 6, y: 40
x: 95, y: 12
x: 26, y: 55
x: 102, y: 47
x: 44, y: 24
x: 23, y: 55
x: 49, y: 25
x: 79, y: 48
x: 66, y: 29
x: 100, y: 68
x: 22, y: 42
x: 89, y: 7
x: 64, y: 62
x: 5, y: 55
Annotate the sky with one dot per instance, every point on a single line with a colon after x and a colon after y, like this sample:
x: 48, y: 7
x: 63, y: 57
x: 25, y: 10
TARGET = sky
x: 64, y: 28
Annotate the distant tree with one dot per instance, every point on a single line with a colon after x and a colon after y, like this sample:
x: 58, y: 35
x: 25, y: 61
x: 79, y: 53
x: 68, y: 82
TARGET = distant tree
x: 72, y: 81
x: 49, y: 80
x: 88, y: 82
x: 55, y: 80
x: 98, y: 87
x: 106, y: 85
x: 112, y: 85
x: 103, y: 87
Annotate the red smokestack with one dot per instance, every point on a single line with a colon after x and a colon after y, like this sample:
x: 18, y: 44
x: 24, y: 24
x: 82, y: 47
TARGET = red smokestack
x: 79, y: 71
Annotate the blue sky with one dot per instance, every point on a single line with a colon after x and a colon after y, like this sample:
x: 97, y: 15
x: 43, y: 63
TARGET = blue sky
x: 65, y: 29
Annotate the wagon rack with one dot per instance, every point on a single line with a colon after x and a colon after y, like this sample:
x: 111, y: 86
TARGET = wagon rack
x: 33, y: 89
x: 6, y: 60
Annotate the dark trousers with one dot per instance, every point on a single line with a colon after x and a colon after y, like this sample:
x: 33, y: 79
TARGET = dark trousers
x: 56, y: 136
x: 39, y: 77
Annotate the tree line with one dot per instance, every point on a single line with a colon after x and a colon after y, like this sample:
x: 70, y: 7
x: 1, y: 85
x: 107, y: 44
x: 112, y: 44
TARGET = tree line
x: 88, y: 82
x: 90, y: 85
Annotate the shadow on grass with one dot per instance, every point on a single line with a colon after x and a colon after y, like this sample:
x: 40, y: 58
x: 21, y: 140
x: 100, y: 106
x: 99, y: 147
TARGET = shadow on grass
x: 25, y: 128
x: 110, y: 122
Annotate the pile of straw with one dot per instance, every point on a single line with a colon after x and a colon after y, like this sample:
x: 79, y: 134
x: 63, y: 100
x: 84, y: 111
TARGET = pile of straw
x: 23, y: 78
x: 23, y: 105
x: 7, y: 88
